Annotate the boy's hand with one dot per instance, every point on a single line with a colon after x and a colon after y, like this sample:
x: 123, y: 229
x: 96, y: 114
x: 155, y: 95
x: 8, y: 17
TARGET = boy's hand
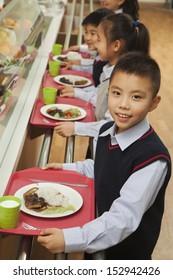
x: 67, y: 66
x: 53, y: 166
x: 53, y: 240
x: 67, y: 91
x: 65, y: 129
x: 75, y: 62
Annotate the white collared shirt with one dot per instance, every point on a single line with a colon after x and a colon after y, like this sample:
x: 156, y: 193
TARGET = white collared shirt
x: 119, y: 11
x: 91, y: 128
x: 90, y: 93
x: 122, y: 219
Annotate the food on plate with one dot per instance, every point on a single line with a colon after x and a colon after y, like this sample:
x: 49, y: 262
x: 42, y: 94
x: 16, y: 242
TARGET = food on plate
x: 63, y: 58
x: 65, y: 114
x: 80, y: 82
x: 69, y: 57
x: 33, y: 201
x: 46, y: 199
x: 66, y: 81
x: 76, y: 82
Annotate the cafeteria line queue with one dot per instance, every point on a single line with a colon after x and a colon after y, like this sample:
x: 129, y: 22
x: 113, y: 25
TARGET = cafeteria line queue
x: 49, y: 120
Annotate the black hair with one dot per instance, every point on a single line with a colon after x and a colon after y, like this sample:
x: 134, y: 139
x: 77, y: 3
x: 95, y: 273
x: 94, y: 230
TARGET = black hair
x: 131, y: 7
x: 122, y: 27
x: 141, y: 65
x: 95, y: 17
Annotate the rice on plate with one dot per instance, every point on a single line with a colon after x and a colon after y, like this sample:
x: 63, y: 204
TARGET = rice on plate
x: 52, y: 197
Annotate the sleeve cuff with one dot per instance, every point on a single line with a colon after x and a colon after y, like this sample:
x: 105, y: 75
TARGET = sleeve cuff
x: 83, y: 48
x: 69, y: 166
x: 87, y: 61
x: 73, y: 240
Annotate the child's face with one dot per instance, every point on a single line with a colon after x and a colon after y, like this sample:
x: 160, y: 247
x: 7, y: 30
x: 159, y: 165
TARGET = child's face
x: 90, y: 36
x: 130, y: 99
x: 111, y: 4
x: 105, y: 50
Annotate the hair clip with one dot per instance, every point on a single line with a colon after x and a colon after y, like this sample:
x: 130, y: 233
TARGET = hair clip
x: 136, y: 23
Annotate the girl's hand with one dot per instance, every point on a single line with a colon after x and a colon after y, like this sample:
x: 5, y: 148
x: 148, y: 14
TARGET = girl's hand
x: 67, y: 91
x: 74, y: 48
x: 53, y: 166
x: 53, y: 240
x: 65, y: 129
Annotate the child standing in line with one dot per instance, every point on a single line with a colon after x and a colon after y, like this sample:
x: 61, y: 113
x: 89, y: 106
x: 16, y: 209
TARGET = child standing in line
x: 94, y: 66
x: 117, y: 34
x: 91, y: 65
x: 132, y: 169
x: 130, y: 7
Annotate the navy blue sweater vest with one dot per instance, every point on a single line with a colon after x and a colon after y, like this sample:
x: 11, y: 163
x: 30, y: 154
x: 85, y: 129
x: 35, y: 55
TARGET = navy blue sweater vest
x: 97, y: 70
x: 112, y: 168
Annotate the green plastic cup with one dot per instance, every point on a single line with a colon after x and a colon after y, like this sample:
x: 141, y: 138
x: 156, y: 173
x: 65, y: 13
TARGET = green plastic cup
x: 56, y: 49
x: 49, y: 95
x: 54, y: 67
x: 9, y: 211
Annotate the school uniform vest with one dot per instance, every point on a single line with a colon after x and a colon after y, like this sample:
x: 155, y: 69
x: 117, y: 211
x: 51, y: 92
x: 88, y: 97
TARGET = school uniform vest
x: 102, y: 100
x: 112, y: 168
x: 97, y: 70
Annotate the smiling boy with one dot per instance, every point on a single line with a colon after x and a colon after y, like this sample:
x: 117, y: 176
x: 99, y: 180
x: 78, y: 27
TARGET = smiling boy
x: 132, y: 169
x: 91, y: 65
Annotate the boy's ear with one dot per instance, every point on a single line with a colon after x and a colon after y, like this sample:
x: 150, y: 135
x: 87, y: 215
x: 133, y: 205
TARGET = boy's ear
x: 155, y: 103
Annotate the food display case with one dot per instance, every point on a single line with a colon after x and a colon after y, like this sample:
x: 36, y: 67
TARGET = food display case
x: 26, y: 38
x: 31, y: 27
x: 21, y: 31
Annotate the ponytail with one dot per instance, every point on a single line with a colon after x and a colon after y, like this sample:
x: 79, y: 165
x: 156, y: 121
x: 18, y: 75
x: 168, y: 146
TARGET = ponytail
x: 122, y: 27
x: 131, y: 7
x: 142, y: 41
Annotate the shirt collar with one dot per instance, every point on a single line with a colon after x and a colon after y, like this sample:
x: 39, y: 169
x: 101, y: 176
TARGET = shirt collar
x: 119, y: 11
x: 126, y: 138
x: 107, y: 70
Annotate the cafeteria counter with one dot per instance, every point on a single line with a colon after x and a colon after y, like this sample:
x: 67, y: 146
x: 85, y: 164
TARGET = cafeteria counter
x: 25, y: 138
x: 15, y: 137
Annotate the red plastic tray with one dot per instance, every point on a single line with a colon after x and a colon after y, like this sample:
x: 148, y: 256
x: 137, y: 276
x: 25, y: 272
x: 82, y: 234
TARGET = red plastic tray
x: 38, y: 119
x: 84, y: 215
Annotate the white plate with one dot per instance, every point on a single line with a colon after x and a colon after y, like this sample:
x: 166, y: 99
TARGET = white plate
x: 56, y: 58
x: 69, y: 55
x: 73, y: 79
x: 75, y: 199
x: 63, y: 107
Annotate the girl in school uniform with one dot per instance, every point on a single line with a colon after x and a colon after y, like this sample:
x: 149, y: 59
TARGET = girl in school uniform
x: 94, y: 65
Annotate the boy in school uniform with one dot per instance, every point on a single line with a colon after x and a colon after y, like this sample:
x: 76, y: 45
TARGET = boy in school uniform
x: 132, y: 168
x: 91, y: 65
